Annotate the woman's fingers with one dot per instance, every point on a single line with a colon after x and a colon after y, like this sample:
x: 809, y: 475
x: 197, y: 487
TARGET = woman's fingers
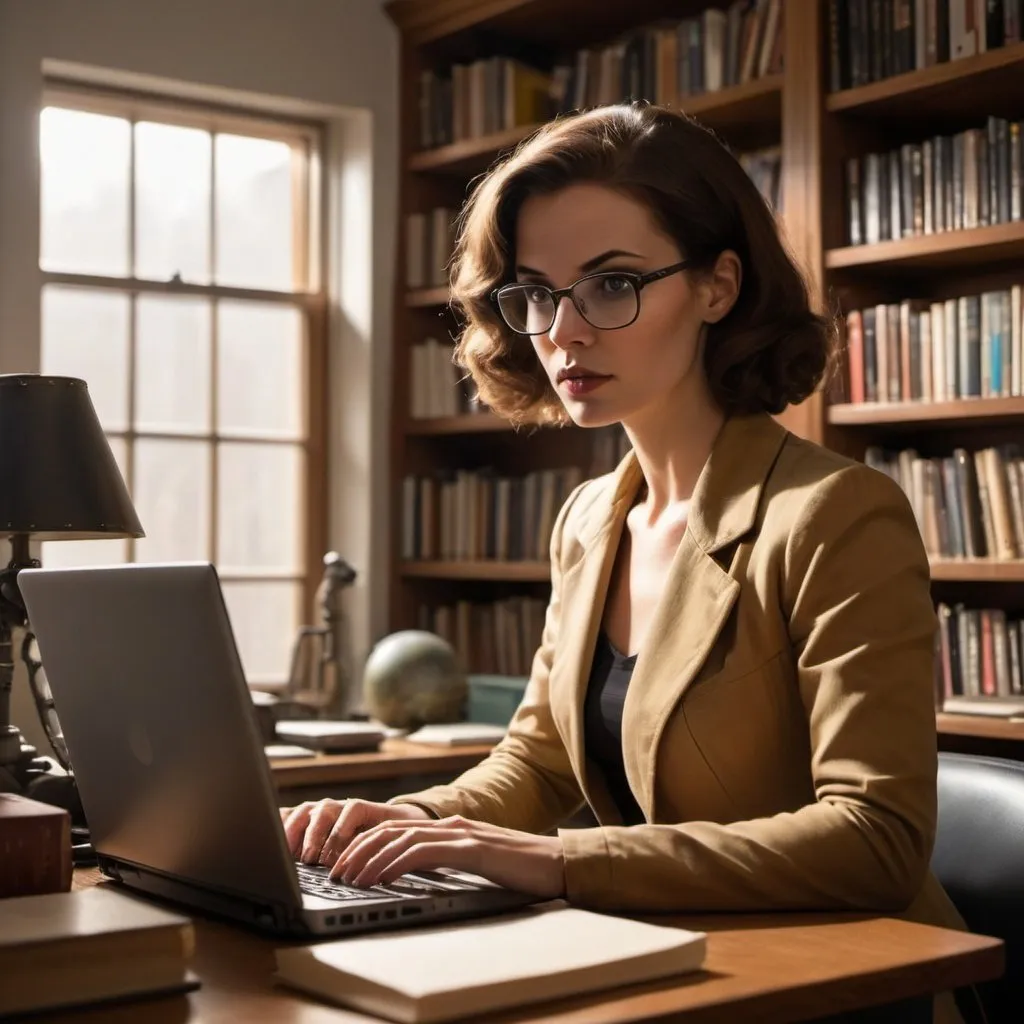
x: 321, y: 820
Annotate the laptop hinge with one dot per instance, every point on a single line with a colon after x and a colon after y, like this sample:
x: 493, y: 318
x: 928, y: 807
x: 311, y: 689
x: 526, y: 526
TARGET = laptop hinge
x: 248, y: 910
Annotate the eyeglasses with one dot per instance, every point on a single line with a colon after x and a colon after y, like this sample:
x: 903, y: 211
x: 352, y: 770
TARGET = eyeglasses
x: 608, y: 300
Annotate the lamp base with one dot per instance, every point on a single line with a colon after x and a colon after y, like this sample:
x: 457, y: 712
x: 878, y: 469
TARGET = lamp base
x: 39, y: 778
x: 13, y: 749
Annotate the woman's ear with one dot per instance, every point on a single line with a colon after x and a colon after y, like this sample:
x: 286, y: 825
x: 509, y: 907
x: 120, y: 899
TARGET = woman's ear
x: 722, y: 286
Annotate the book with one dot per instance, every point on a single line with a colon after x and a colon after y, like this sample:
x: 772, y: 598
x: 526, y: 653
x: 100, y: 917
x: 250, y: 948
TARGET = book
x: 451, y: 971
x: 88, y: 946
x: 35, y: 847
x: 454, y: 734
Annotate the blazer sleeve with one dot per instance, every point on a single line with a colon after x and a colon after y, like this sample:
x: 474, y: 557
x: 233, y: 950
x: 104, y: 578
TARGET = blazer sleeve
x: 855, y: 589
x: 527, y: 781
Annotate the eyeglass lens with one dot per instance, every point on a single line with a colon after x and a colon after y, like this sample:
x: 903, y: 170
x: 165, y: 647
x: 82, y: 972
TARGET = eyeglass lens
x: 605, y: 301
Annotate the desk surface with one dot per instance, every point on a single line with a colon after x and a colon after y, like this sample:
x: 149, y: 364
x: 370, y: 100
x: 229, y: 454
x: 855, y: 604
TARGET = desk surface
x: 780, y: 967
x: 395, y: 759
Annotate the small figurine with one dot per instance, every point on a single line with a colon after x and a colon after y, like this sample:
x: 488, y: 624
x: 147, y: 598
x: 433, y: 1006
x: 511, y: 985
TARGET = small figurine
x: 319, y: 670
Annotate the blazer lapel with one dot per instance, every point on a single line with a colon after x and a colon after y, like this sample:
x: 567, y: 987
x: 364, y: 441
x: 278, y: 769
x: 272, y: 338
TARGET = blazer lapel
x: 699, y: 593
x: 583, y: 592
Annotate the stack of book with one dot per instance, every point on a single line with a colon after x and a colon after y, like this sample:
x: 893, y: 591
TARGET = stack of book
x: 870, y: 40
x: 979, y: 655
x: 968, y: 504
x: 966, y: 347
x: 945, y: 183
x: 490, y: 637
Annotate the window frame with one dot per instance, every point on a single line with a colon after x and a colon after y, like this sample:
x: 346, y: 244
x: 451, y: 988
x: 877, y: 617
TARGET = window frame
x: 309, y: 296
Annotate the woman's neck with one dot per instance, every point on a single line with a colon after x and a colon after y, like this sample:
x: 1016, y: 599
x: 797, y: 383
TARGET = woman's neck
x: 672, y: 449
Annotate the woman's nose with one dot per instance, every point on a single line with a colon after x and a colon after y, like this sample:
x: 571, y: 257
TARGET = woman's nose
x: 569, y: 327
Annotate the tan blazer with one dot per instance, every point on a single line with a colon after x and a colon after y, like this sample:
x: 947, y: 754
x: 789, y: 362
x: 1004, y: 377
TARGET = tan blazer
x: 779, y: 728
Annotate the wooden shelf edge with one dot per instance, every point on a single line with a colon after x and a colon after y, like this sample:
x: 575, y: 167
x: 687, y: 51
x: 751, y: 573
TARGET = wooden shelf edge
x: 979, y: 726
x: 467, y: 423
x: 854, y: 414
x: 427, y: 296
x: 977, y: 570
x: 707, y: 104
x: 526, y: 572
x: 924, y: 79
x: 921, y: 248
x: 480, y: 148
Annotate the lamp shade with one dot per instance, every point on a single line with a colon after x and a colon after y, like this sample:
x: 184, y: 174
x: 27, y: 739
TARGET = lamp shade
x: 58, y: 476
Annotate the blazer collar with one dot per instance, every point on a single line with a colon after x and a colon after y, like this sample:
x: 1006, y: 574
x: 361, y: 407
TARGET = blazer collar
x: 728, y: 491
x: 699, y: 594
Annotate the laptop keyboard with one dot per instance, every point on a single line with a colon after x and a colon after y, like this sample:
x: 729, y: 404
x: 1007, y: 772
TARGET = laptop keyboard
x: 314, y: 881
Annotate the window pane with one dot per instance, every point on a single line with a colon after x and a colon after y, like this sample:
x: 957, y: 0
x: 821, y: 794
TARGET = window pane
x: 259, y: 507
x: 172, y: 202
x: 172, y: 497
x: 264, y: 619
x: 84, y: 166
x: 172, y: 390
x: 259, y: 368
x: 253, y: 207
x: 85, y: 334
x: 59, y: 554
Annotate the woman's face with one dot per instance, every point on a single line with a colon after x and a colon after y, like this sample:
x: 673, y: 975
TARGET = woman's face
x: 606, y: 376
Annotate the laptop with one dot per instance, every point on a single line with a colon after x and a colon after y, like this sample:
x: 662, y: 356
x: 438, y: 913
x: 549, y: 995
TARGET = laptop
x: 169, y: 762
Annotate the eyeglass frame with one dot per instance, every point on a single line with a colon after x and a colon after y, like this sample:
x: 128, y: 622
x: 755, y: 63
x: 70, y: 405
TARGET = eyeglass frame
x: 639, y: 282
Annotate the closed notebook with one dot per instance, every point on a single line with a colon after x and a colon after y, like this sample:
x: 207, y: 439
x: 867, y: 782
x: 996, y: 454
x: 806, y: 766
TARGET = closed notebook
x: 458, y: 970
x: 92, y: 945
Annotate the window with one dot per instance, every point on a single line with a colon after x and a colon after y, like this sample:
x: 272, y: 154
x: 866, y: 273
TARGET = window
x: 179, y: 253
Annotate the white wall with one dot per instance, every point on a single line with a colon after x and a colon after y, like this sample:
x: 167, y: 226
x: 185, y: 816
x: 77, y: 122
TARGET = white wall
x: 337, y: 59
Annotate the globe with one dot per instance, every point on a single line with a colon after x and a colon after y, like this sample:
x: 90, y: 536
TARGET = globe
x: 411, y: 678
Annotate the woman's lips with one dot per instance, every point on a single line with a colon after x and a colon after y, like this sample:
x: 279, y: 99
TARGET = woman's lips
x: 583, y: 385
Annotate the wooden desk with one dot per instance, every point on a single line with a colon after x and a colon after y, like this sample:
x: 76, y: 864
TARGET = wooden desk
x: 769, y: 968
x: 399, y: 766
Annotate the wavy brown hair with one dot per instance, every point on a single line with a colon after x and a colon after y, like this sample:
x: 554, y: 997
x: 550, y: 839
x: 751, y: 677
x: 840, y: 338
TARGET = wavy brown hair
x: 770, y: 351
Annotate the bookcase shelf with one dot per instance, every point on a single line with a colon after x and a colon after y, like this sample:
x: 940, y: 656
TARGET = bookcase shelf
x: 953, y: 88
x: 921, y: 414
x: 469, y: 155
x: 978, y: 570
x: 427, y: 297
x: 520, y: 572
x: 468, y: 423
x: 979, y: 726
x: 944, y: 250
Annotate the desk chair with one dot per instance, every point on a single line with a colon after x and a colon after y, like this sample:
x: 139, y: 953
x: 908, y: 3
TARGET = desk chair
x: 979, y: 859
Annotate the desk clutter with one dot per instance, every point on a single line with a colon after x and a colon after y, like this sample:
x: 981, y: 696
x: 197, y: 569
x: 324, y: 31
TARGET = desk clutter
x: 72, y: 949
x: 451, y: 971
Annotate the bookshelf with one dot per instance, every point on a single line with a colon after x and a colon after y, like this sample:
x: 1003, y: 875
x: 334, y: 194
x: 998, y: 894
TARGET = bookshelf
x: 815, y: 117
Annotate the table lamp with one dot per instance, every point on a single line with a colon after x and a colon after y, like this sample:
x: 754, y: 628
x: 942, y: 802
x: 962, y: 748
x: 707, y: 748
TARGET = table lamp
x: 58, y: 481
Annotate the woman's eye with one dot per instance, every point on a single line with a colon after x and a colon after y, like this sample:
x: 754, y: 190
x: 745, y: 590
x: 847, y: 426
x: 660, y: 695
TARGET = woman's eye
x: 614, y: 285
x: 536, y: 295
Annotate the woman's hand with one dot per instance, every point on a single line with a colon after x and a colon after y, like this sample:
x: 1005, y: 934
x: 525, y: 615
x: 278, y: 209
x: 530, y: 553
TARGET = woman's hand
x: 318, y: 833
x: 517, y: 860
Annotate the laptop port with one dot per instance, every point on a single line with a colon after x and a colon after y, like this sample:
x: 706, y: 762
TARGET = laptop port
x: 373, y: 915
x: 329, y: 920
x: 389, y: 914
x: 409, y: 911
x: 346, y: 918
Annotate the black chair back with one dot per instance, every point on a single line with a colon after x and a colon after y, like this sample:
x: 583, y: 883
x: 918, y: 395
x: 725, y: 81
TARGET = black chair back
x: 979, y: 859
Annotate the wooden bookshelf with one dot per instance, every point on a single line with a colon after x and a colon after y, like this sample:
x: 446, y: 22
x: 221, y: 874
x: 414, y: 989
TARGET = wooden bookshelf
x: 953, y: 88
x: 469, y: 156
x: 978, y: 570
x: 944, y: 250
x: 817, y: 132
x: 496, y: 572
x: 909, y: 110
x: 961, y: 412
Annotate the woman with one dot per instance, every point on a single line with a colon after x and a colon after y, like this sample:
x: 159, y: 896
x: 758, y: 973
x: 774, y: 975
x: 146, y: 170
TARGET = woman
x: 766, y: 600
